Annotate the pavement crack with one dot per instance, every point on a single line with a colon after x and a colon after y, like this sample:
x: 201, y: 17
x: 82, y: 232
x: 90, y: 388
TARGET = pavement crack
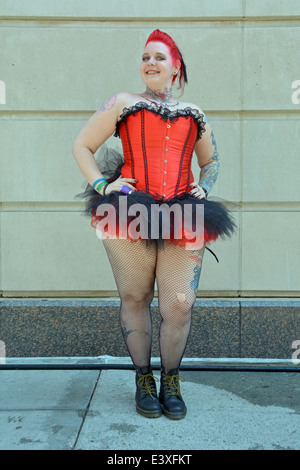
x: 86, y: 412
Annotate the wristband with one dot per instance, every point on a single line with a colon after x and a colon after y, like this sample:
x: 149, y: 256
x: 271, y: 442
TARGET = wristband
x: 104, y: 189
x: 100, y: 185
x: 97, y: 181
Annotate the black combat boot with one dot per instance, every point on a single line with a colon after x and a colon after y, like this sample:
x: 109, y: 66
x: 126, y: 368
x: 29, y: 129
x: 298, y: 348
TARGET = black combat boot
x: 170, y: 396
x: 147, y: 403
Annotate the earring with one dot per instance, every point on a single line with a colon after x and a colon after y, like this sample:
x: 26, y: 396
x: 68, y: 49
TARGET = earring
x: 175, y: 73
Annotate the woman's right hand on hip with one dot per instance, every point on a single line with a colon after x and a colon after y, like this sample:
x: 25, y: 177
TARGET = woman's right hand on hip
x: 119, y: 183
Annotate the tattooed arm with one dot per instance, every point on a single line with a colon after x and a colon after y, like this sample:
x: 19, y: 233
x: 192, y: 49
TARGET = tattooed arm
x: 94, y: 133
x: 208, y: 158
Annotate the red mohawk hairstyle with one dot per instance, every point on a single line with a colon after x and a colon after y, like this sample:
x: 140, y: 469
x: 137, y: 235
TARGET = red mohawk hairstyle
x: 160, y: 36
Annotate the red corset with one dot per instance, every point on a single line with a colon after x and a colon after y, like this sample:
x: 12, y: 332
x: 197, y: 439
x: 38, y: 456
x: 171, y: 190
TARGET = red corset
x: 158, y: 146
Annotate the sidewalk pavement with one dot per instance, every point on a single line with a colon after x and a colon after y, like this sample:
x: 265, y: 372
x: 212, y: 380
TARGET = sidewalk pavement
x: 95, y: 410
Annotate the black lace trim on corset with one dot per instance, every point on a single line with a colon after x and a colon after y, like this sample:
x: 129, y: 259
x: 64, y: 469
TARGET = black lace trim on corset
x: 165, y: 114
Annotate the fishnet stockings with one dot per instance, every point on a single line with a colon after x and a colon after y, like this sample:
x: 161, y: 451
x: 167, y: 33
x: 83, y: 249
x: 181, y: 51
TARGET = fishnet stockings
x: 176, y: 270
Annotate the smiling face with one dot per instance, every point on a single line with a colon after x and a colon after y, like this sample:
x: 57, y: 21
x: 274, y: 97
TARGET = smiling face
x: 157, y: 66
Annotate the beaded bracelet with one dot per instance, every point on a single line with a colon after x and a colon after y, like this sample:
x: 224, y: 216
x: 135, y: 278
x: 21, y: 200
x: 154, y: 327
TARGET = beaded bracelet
x: 97, y: 181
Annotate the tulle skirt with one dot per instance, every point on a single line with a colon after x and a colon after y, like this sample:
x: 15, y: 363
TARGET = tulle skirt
x: 182, y: 220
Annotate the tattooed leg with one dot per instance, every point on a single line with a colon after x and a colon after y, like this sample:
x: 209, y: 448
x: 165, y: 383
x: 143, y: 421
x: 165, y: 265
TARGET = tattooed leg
x: 133, y: 265
x: 126, y: 332
x: 177, y: 289
x: 197, y: 255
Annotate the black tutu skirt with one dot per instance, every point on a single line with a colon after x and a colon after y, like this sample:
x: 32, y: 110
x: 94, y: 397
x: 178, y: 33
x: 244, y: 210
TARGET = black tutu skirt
x: 182, y: 220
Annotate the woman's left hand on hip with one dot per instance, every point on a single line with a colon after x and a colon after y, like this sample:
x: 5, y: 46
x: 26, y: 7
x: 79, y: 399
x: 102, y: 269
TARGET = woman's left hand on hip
x: 197, y: 190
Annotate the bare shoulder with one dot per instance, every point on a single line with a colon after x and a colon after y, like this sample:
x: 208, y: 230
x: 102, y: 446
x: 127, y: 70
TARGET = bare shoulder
x: 116, y: 100
x: 124, y: 97
x: 192, y: 106
x: 128, y: 99
x: 125, y: 100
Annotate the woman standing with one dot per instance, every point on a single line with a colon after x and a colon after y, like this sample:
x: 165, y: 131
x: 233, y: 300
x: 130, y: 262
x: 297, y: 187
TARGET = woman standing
x: 159, y: 135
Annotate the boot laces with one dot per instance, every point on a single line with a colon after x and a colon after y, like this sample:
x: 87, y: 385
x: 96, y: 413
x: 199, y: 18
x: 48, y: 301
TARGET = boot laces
x: 147, y: 385
x: 172, y: 386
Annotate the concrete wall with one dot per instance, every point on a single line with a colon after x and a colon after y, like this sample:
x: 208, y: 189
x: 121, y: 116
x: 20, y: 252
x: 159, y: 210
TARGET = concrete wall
x: 60, y: 60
